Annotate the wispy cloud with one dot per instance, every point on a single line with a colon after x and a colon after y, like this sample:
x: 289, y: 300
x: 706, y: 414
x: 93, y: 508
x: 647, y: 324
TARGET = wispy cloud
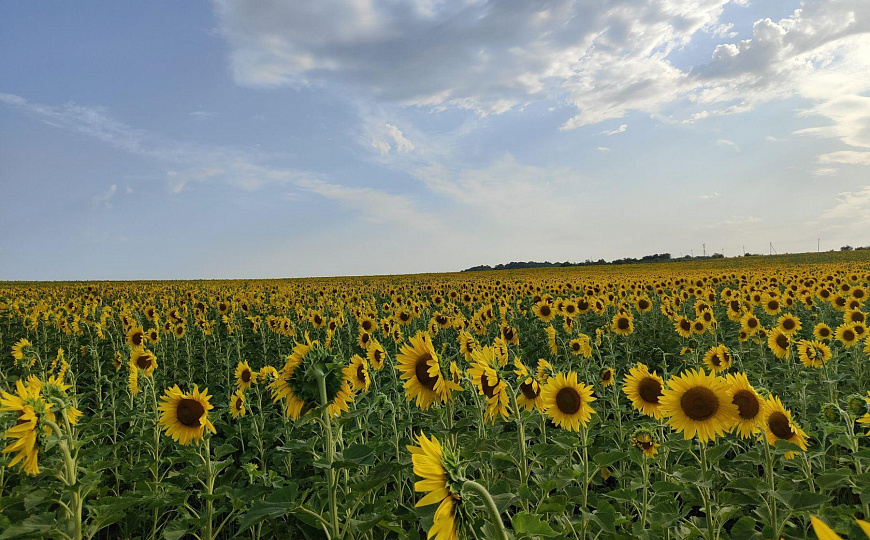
x: 725, y: 143
x: 620, y: 129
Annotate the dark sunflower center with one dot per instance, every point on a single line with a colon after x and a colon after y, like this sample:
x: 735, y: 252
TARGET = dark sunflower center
x: 136, y: 339
x: 622, y: 323
x: 715, y: 360
x: 848, y: 335
x: 488, y: 390
x: 361, y: 373
x: 643, y: 304
x: 575, y: 346
x: 699, y: 403
x: 685, y: 325
x: 189, y: 411
x: 752, y: 323
x: 782, y: 341
x: 788, y: 324
x: 747, y: 404
x: 650, y: 390
x: 421, y: 370
x: 773, y: 305
x: 318, y: 319
x: 644, y: 445
x: 246, y: 375
x: 824, y: 332
x: 545, y: 311
x: 508, y: 333
x: 606, y: 376
x: 568, y: 401
x: 143, y: 361
x: 367, y: 325
x: 377, y: 355
x: 780, y: 426
x: 528, y: 390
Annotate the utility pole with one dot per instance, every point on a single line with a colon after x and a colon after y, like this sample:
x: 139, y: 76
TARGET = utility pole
x: 744, y: 251
x: 819, y: 245
x: 705, y: 249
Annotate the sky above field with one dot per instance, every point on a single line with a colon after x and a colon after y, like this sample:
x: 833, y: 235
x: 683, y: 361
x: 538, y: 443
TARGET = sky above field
x: 165, y: 139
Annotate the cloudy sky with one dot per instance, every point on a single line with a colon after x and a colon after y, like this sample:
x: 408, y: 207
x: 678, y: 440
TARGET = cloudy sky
x: 169, y: 139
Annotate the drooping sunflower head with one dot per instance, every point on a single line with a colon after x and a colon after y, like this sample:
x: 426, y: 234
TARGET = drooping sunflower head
x: 237, y: 404
x: 184, y: 415
x: 749, y: 405
x: 376, y: 355
x: 22, y: 349
x: 568, y: 402
x: 699, y: 404
x: 441, y: 480
x: 485, y: 373
x: 420, y: 369
x: 644, y: 389
x: 644, y: 440
x: 778, y: 425
x: 357, y: 373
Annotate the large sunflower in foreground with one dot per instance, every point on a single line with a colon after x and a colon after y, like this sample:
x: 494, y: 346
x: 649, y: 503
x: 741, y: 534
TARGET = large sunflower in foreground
x: 567, y: 402
x: 30, y: 406
x: 184, y: 416
x: 699, y: 403
x: 429, y: 464
x: 644, y: 389
x: 418, y: 363
x: 750, y: 406
x: 778, y: 426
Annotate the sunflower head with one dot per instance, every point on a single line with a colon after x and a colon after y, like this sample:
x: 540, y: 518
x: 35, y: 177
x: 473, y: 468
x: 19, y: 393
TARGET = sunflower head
x: 699, y: 404
x: 778, y: 426
x: 644, y: 389
x: 568, y: 402
x: 644, y: 440
x: 184, y: 415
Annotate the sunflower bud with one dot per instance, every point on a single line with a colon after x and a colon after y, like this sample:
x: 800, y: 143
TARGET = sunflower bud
x: 857, y: 404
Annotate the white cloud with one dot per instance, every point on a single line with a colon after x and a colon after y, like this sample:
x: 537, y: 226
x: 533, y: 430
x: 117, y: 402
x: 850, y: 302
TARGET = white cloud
x: 603, y: 149
x: 710, y: 196
x: 853, y: 208
x: 620, y: 129
x: 849, y: 157
x: 739, y: 221
x: 105, y: 198
x: 725, y: 143
x: 824, y: 171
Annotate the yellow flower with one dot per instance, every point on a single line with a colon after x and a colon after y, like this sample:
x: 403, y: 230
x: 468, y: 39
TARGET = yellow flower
x: 184, y: 416
x: 644, y: 389
x: 567, y: 401
x: 699, y: 404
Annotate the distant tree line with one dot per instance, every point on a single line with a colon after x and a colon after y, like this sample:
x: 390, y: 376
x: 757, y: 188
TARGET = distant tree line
x: 654, y: 258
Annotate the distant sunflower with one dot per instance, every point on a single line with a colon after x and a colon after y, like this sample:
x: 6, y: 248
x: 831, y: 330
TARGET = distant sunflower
x: 509, y: 334
x: 21, y: 349
x: 135, y: 337
x: 530, y: 389
x: 567, y: 402
x: 718, y: 358
x: 376, y: 355
x: 606, y: 377
x: 644, y: 440
x: 788, y: 324
x: 683, y: 327
x: 644, y: 389
x: 245, y: 376
x: 357, y: 373
x: 822, y: 332
x: 581, y: 346
x: 544, y: 311
x: 750, y: 323
x: 749, y: 405
x: 779, y: 343
x: 184, y: 416
x: 551, y: 340
x: 778, y: 426
x: 622, y: 324
x: 813, y: 353
x: 237, y: 404
x: 699, y: 404
x: 143, y: 359
x: 846, y: 335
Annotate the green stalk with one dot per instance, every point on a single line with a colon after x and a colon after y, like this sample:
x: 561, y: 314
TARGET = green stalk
x: 705, y: 494
x: 330, y: 453
x: 494, y: 515
x: 768, y: 460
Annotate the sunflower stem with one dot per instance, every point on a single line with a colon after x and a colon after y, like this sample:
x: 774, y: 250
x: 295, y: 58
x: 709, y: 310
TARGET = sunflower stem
x: 330, y: 452
x: 705, y: 494
x: 492, y: 509
x: 768, y: 461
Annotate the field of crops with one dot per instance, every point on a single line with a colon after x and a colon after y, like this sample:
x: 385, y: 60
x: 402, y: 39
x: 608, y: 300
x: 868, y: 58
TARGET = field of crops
x: 714, y: 400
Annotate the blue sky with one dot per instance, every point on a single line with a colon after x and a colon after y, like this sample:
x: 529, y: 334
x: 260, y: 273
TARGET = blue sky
x: 277, y: 139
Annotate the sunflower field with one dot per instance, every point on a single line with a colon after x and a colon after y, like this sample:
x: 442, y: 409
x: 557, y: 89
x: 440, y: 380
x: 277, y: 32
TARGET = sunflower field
x: 711, y: 400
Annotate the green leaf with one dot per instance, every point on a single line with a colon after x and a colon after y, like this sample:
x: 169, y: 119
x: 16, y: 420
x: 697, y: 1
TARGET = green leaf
x: 799, y: 501
x: 532, y: 525
x: 608, y: 458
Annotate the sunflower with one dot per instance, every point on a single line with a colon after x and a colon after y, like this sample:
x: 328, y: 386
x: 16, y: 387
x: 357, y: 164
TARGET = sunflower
x: 846, y: 335
x: 544, y: 311
x: 421, y: 371
x: 357, y: 373
x: 606, y: 377
x: 245, y: 377
x: 698, y: 403
x: 622, y: 324
x: 530, y: 389
x: 788, y: 324
x: 153, y: 335
x: 813, y: 353
x: 749, y: 405
x: 644, y: 389
x: 31, y: 407
x: 21, y: 349
x: 581, y: 346
x: 778, y: 426
x: 237, y: 404
x: 135, y: 337
x: 143, y: 359
x: 718, y: 358
x: 567, y: 402
x: 484, y: 373
x: 771, y: 305
x: 467, y: 344
x: 644, y: 440
x: 179, y: 331
x: 822, y: 332
x: 551, y: 340
x: 184, y: 416
x: 750, y: 323
x: 376, y: 355
x: 280, y: 387
x: 865, y: 420
x: 509, y: 334
x: 683, y: 327
x: 429, y: 461
x: 779, y: 343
